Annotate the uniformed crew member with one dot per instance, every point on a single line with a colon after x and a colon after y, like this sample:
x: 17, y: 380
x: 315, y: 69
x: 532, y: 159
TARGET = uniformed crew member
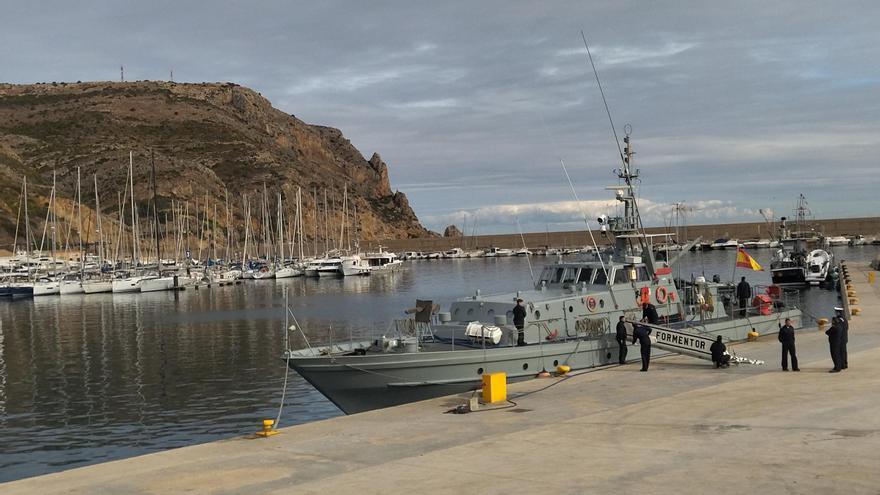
x: 621, y: 340
x: 844, y: 337
x: 786, y: 337
x: 834, y: 334
x: 743, y: 294
x: 649, y: 311
x: 519, y: 321
x: 718, y: 350
x: 642, y: 334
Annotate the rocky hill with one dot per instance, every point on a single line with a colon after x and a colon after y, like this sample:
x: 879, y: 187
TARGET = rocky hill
x: 207, y: 140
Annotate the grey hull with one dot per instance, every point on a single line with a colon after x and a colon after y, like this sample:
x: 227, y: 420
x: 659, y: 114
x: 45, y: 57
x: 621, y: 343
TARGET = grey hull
x: 357, y: 383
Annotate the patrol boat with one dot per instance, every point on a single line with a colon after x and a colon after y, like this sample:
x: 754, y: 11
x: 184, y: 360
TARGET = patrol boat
x: 571, y: 314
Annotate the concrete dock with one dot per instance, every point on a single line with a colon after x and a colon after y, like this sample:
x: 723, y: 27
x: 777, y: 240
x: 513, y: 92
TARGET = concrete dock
x: 683, y: 427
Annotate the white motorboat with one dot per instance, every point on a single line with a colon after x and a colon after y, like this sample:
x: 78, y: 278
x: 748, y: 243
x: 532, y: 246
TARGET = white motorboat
x: 263, y: 273
x: 312, y: 268
x: 837, y: 240
x: 330, y: 267
x: 156, y: 283
x: 818, y: 263
x: 454, y: 253
x: 354, y: 265
x: 521, y: 252
x: 382, y: 261
x: 724, y: 244
x: 859, y: 240
x: 495, y: 252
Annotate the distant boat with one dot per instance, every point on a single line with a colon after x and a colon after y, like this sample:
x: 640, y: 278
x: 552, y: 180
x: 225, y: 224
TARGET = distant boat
x: 724, y: 244
x: 837, y: 240
x: 383, y: 261
x: 818, y: 264
x: 496, y: 252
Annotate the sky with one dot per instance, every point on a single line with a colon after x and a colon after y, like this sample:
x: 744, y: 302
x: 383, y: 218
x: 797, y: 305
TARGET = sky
x: 735, y: 107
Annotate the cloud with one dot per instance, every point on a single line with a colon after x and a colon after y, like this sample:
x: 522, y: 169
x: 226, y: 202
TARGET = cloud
x: 613, y: 55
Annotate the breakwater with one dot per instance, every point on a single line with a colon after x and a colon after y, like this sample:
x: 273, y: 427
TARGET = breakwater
x: 868, y: 226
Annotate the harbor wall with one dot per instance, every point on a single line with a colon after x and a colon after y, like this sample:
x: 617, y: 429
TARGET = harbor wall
x: 868, y: 226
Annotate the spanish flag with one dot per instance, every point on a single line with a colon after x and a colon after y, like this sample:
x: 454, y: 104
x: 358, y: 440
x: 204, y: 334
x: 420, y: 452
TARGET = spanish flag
x: 743, y: 260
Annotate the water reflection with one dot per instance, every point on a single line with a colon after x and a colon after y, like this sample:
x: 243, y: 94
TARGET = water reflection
x: 85, y: 378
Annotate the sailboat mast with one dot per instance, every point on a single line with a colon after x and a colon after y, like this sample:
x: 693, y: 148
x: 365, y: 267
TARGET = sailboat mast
x: 134, y: 253
x: 156, y: 215
x: 82, y: 258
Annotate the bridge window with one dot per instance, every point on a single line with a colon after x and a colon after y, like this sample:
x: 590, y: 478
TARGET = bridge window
x: 570, y: 275
x: 601, y: 279
x: 642, y: 274
x: 557, y: 276
x: 620, y: 276
x: 585, y: 275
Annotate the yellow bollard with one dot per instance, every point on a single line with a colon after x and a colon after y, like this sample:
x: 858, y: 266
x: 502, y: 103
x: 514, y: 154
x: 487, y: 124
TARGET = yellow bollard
x: 822, y: 322
x: 855, y: 311
x: 851, y: 293
x: 853, y: 301
x: 268, y: 428
x: 870, y: 277
x: 494, y: 387
x: 752, y: 335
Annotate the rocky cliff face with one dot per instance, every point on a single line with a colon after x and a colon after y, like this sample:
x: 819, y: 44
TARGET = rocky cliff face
x: 206, y: 140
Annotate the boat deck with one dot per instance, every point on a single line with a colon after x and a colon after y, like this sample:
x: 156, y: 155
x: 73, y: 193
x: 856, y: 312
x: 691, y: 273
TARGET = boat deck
x: 683, y: 427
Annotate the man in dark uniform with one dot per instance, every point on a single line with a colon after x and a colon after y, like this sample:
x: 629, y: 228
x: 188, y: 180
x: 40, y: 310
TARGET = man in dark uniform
x: 718, y: 350
x: 621, y: 341
x: 743, y: 294
x: 649, y: 311
x: 642, y: 335
x: 844, y: 336
x: 519, y: 321
x: 786, y: 337
x: 834, y: 336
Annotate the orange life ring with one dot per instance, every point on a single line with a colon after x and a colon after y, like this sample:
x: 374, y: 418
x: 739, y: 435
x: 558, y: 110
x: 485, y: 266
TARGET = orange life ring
x: 591, y: 304
x: 644, y: 295
x: 661, y: 294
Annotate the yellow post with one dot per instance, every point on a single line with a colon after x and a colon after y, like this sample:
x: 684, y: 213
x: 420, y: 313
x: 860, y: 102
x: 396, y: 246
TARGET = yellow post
x: 822, y: 322
x: 870, y: 277
x: 494, y: 387
x: 268, y: 428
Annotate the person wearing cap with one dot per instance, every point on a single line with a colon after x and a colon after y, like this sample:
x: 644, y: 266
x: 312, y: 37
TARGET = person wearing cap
x: 844, y: 336
x: 786, y: 338
x: 519, y: 321
x: 743, y: 294
x: 621, y: 340
x: 834, y: 333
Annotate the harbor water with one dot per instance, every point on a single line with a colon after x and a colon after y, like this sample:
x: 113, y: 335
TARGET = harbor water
x: 90, y: 378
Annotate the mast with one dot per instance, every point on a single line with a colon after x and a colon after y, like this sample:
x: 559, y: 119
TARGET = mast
x: 156, y: 215
x: 27, y: 225
x: 280, y: 234
x: 134, y: 253
x: 82, y: 258
x: 98, y: 225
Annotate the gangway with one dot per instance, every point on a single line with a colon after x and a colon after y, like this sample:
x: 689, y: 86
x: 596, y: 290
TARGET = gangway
x: 687, y: 343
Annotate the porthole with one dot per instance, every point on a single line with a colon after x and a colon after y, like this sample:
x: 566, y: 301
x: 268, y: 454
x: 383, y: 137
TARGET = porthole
x: 608, y: 356
x: 555, y: 363
x: 601, y: 303
x: 480, y: 371
x: 571, y: 309
x: 525, y: 366
x: 470, y: 311
x: 547, y: 307
x: 537, y: 314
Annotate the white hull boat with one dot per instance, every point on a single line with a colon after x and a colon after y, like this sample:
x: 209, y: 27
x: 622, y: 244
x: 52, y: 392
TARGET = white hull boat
x: 818, y: 264
x: 71, y: 287
x: 129, y: 284
x: 157, y: 284
x: 97, y: 286
x: 288, y: 272
x: 47, y: 288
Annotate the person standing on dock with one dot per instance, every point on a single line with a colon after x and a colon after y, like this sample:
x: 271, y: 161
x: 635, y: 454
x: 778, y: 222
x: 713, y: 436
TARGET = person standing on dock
x: 621, y: 340
x: 834, y: 334
x: 786, y: 337
x: 844, y: 337
x: 743, y: 294
x: 642, y: 335
x: 649, y: 311
x: 519, y: 321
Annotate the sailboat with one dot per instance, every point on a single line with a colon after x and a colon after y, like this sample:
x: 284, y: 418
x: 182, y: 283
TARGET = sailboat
x: 130, y: 281
x: 99, y: 283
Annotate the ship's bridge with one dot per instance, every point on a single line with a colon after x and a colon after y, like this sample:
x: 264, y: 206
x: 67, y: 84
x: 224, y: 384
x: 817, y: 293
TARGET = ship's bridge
x: 564, y: 275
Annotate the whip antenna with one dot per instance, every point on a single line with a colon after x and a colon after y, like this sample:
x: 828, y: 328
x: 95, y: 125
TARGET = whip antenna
x: 604, y: 101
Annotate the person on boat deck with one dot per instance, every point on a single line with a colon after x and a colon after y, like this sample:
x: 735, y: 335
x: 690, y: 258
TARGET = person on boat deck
x: 519, y: 321
x: 844, y: 336
x: 718, y: 350
x: 743, y: 294
x: 642, y: 335
x: 649, y: 311
x: 621, y: 340
x: 834, y: 333
x: 786, y: 338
